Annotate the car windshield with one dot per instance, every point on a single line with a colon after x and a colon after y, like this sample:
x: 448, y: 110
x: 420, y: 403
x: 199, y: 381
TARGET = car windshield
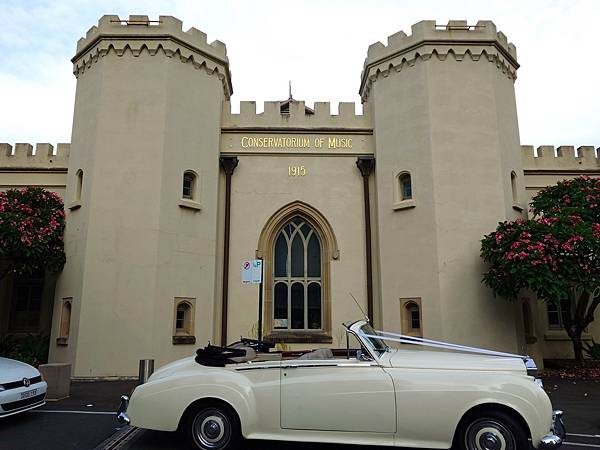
x: 375, y: 343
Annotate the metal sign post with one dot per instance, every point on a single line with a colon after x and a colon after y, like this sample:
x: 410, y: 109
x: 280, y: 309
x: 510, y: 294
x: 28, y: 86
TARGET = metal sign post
x: 252, y: 273
x: 260, y: 302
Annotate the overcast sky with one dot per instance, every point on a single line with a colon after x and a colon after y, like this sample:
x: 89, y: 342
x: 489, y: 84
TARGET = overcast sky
x: 320, y: 45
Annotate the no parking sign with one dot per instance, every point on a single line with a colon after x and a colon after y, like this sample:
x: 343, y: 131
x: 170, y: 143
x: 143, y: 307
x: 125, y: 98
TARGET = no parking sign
x: 252, y: 271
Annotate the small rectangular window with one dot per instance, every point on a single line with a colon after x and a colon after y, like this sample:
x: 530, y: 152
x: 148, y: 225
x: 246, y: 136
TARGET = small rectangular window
x: 557, y: 314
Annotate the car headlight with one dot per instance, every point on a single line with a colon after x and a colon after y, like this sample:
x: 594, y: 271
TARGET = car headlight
x: 531, y: 367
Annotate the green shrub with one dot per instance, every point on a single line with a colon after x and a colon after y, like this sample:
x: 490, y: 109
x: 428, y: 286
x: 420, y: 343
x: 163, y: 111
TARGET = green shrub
x: 33, y: 349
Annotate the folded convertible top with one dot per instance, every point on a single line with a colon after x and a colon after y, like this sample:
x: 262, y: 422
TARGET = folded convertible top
x: 216, y: 356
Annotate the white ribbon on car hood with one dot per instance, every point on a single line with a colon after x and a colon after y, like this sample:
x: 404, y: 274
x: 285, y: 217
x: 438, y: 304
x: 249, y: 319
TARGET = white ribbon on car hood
x: 403, y: 339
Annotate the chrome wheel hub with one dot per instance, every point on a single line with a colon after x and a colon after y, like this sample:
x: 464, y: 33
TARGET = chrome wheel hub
x: 489, y: 441
x: 211, y: 430
x: 488, y: 434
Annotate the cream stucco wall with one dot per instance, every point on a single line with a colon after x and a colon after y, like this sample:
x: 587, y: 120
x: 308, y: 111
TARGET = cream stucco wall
x: 333, y: 186
x: 143, y: 115
x: 445, y: 112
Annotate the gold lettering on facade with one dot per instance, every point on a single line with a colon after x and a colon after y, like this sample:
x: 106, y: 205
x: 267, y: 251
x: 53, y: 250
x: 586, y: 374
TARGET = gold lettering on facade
x: 295, y: 142
x: 336, y: 142
x: 296, y: 171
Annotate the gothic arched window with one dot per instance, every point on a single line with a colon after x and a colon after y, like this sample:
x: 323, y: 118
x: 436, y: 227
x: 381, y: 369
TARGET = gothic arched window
x: 297, y: 278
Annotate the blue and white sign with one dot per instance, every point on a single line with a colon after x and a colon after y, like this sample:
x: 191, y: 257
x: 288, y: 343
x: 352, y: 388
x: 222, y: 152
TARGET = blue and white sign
x: 252, y: 271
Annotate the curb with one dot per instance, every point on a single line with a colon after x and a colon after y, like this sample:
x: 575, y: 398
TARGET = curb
x: 120, y: 439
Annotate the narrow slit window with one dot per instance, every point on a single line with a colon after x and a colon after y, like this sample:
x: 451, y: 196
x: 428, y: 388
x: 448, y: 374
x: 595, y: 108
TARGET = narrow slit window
x: 513, y: 186
x: 189, y: 185
x: 406, y: 191
x: 65, y: 320
x: 79, y: 185
x: 415, y: 319
x: 183, y: 317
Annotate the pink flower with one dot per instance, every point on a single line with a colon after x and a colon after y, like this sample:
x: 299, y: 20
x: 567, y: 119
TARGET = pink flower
x: 596, y: 230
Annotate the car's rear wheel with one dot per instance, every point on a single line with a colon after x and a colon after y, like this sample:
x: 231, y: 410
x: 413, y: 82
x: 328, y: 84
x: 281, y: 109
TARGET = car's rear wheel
x: 491, y: 430
x: 213, y: 427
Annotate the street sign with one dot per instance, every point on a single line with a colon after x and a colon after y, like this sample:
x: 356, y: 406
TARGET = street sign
x: 252, y: 271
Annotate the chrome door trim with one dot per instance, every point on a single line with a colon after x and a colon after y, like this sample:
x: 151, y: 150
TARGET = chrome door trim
x: 239, y: 369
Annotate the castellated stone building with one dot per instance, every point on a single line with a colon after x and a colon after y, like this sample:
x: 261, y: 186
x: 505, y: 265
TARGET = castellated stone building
x: 167, y: 191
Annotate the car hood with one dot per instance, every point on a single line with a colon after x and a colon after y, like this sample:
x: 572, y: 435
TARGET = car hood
x: 12, y: 370
x: 427, y: 359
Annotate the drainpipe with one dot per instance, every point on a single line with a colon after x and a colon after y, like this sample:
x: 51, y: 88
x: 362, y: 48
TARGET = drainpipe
x: 366, y: 165
x: 228, y: 163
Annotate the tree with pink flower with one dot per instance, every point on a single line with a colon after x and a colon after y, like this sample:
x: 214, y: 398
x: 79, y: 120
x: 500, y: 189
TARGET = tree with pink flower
x: 556, y: 254
x: 32, y: 222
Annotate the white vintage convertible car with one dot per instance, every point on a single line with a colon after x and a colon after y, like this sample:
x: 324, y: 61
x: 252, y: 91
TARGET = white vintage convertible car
x: 371, y: 395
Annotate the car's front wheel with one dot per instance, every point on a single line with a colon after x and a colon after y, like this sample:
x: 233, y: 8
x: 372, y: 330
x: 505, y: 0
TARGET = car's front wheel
x: 493, y: 430
x: 213, y: 427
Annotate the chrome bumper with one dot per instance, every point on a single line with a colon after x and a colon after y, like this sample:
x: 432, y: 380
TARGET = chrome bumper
x: 122, y: 416
x: 554, y: 439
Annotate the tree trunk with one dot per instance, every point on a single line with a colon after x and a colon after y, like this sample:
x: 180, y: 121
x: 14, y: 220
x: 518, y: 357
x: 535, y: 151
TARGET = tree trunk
x: 577, y: 346
x: 575, y: 333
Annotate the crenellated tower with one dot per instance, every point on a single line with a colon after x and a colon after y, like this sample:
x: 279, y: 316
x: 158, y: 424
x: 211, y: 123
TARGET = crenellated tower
x: 448, y: 169
x: 147, y: 113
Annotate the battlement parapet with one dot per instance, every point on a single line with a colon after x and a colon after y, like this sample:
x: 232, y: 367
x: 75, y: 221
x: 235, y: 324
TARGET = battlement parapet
x: 562, y: 158
x: 457, y: 39
x: 45, y: 157
x: 138, y: 34
x: 271, y: 117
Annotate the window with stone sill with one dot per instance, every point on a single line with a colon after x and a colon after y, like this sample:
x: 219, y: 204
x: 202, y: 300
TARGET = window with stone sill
x: 410, y: 315
x: 403, y: 191
x: 183, y: 326
x: 308, y: 289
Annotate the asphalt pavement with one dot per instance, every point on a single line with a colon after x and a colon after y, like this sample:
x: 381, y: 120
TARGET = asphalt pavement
x: 80, y: 422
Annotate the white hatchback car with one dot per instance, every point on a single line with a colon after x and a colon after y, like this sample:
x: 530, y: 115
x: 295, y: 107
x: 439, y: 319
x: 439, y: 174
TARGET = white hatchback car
x: 21, y: 387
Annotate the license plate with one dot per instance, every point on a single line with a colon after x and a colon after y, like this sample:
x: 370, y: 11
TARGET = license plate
x: 28, y: 394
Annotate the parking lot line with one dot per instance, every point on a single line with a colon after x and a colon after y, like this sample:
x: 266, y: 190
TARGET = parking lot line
x: 73, y: 412
x: 582, y: 445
